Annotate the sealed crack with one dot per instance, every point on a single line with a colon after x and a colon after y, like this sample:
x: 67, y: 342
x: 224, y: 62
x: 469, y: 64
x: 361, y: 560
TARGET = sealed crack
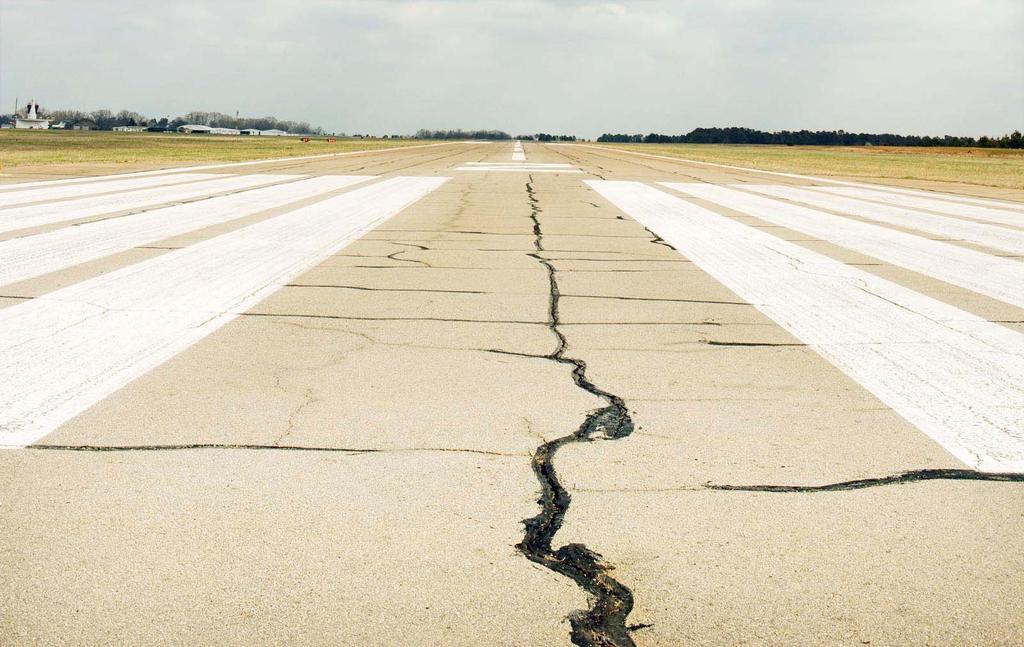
x: 604, y: 623
x: 899, y: 478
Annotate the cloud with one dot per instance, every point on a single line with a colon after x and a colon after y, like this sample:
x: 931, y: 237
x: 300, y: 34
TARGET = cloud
x: 920, y: 66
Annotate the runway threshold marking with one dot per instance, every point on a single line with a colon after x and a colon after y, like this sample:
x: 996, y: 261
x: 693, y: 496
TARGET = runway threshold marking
x: 955, y: 376
x: 30, y: 256
x: 994, y: 236
x: 64, y: 351
x: 1002, y: 216
x: 77, y: 190
x: 518, y: 167
x: 518, y: 154
x: 45, y: 214
x: 994, y: 276
x: 818, y: 180
x: 188, y: 169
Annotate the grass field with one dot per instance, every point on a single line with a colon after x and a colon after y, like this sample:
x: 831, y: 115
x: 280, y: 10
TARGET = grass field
x: 994, y: 167
x: 23, y: 151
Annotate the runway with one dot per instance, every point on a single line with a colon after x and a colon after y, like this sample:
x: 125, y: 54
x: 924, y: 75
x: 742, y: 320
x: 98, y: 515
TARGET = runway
x: 314, y: 400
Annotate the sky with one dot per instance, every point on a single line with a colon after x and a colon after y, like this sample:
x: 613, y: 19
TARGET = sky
x: 525, y: 66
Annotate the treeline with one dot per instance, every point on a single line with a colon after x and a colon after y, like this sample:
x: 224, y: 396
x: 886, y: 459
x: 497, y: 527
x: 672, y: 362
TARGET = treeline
x: 462, y: 134
x: 544, y: 137
x: 812, y: 138
x: 107, y: 120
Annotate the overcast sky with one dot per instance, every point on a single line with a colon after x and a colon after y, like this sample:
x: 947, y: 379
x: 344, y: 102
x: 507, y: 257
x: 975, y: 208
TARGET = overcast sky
x: 393, y: 66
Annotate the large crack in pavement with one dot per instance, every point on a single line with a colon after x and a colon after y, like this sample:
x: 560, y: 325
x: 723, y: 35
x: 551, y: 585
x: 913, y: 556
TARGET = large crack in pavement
x: 604, y: 623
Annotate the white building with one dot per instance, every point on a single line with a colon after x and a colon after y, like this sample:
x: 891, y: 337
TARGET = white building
x: 251, y: 131
x: 129, y: 129
x: 224, y: 131
x: 31, y: 120
x: 273, y: 132
x: 194, y: 128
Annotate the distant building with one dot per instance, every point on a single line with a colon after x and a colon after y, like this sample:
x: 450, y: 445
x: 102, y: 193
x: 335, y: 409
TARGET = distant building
x: 273, y: 132
x: 251, y: 131
x: 31, y: 120
x: 195, y: 129
x: 83, y: 124
x: 129, y: 129
x: 224, y: 131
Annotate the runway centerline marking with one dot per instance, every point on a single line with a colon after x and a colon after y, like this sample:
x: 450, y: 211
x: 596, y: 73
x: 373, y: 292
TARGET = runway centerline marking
x: 30, y: 256
x: 64, y: 351
x: 953, y: 375
x: 994, y: 276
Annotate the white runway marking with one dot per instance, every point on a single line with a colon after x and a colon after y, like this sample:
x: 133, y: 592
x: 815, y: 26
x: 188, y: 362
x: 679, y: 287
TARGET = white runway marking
x: 1002, y: 216
x: 994, y: 276
x: 13, y: 198
x: 187, y: 169
x: 64, y: 351
x: 44, y: 214
x: 518, y: 167
x: 957, y: 377
x: 1001, y: 238
x: 820, y: 180
x: 24, y: 258
x: 966, y: 199
x: 518, y: 155
x: 526, y: 165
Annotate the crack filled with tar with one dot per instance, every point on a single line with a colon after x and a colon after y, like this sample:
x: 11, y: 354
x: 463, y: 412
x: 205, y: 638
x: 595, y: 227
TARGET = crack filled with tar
x: 604, y: 623
x: 899, y: 478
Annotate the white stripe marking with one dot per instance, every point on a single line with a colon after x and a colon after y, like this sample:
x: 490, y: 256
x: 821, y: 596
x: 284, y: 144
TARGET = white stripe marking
x: 1001, y: 216
x: 518, y: 155
x: 518, y: 167
x: 822, y: 180
x: 13, y: 198
x: 30, y: 256
x: 955, y: 376
x: 184, y: 169
x: 526, y: 165
x: 45, y: 214
x: 1002, y: 238
x: 994, y: 276
x: 65, y: 351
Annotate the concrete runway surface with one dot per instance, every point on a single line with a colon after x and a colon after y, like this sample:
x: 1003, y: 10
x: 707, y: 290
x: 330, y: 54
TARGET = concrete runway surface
x: 478, y: 394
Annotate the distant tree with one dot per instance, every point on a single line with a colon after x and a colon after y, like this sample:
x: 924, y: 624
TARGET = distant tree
x: 462, y: 134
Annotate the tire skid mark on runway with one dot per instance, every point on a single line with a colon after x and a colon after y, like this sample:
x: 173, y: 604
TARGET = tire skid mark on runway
x: 32, y: 256
x: 64, y: 351
x: 993, y: 276
x: 955, y: 376
x: 604, y: 623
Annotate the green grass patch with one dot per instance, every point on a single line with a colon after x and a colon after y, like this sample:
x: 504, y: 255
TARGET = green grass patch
x: 22, y: 148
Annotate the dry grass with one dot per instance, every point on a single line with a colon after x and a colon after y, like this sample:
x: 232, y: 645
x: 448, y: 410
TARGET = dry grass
x: 993, y: 167
x: 40, y: 149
